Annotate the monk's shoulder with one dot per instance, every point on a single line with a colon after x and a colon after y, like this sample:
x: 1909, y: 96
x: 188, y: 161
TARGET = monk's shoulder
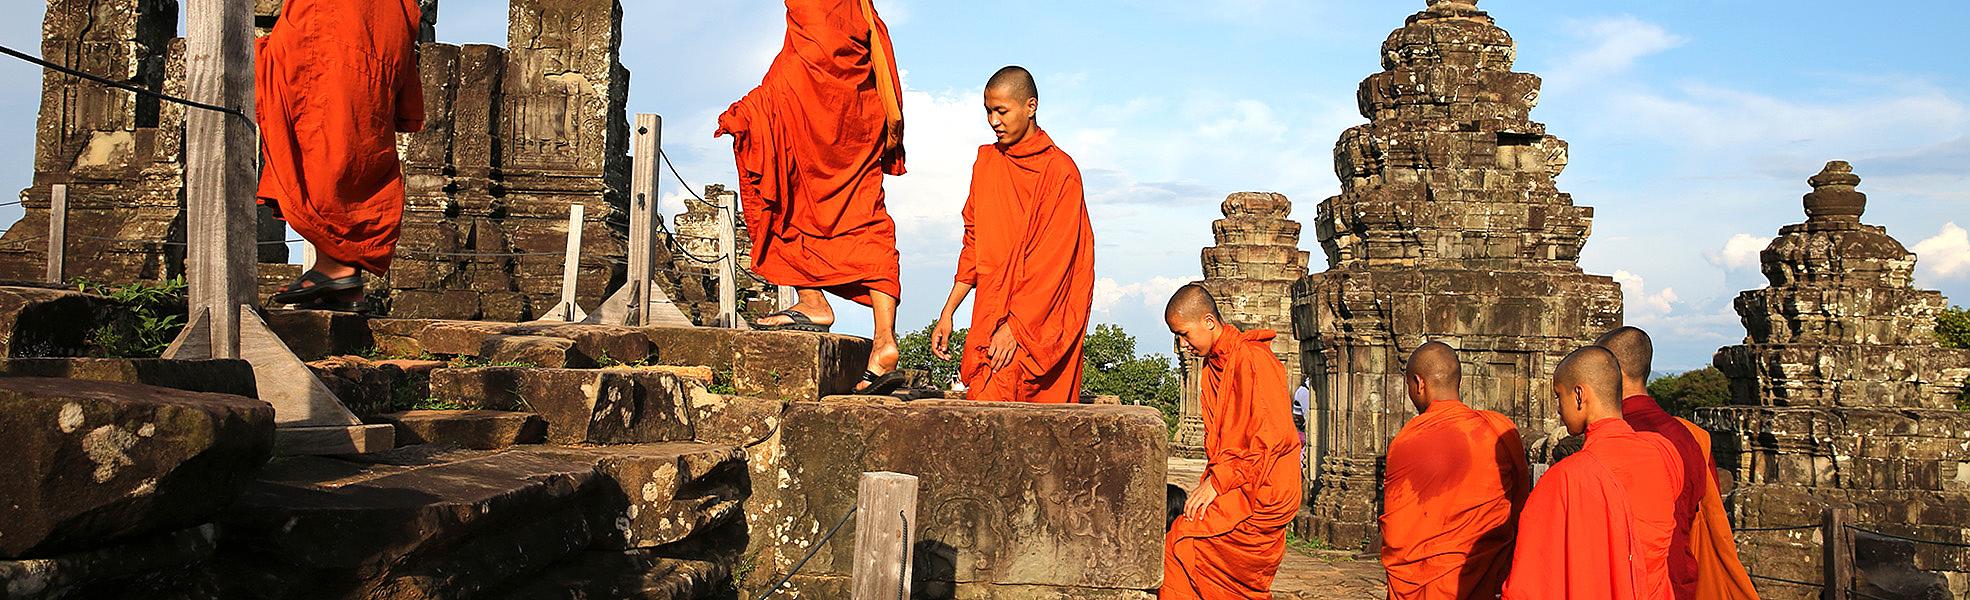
x: 1060, y: 164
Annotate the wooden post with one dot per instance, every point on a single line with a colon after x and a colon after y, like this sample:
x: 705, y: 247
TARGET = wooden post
x: 885, y: 526
x: 643, y: 185
x: 728, y: 273
x: 57, y: 231
x: 568, y: 311
x: 219, y: 166
x: 1837, y: 547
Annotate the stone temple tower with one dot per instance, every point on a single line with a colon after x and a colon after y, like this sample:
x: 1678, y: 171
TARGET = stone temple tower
x: 1448, y: 227
x: 1251, y: 272
x: 1842, y: 397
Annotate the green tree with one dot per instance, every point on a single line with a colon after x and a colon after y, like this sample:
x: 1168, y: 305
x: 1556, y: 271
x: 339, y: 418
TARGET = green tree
x: 915, y: 348
x: 1681, y: 394
x: 1111, y: 367
x: 1953, y: 331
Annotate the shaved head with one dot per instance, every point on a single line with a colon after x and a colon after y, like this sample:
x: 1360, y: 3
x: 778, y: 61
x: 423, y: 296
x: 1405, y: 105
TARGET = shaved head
x: 1595, y: 369
x: 1633, y: 348
x: 1191, y: 303
x: 1016, y: 81
x: 1436, y: 363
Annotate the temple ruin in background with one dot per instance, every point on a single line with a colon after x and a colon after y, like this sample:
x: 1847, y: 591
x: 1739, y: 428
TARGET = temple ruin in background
x: 1449, y: 228
x: 1842, y: 397
x: 1251, y: 272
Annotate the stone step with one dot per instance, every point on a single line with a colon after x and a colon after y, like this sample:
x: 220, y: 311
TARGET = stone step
x: 598, y: 406
x: 469, y: 429
x: 634, y: 575
x: 126, y: 570
x: 374, y: 387
x: 234, y: 377
x: 428, y: 522
x: 37, y: 322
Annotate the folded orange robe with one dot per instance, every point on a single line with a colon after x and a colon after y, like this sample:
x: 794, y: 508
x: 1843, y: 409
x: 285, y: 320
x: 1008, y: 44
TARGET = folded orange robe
x: 1642, y: 413
x: 812, y: 144
x: 333, y: 85
x: 1719, y: 573
x: 1455, y: 482
x: 1598, y: 524
x: 1029, y: 252
x: 1252, y: 454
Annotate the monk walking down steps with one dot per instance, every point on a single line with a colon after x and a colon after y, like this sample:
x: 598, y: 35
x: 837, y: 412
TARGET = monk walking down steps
x: 813, y: 143
x: 1029, y: 253
x: 1703, y: 562
x: 335, y: 82
x: 1598, y: 524
x: 1456, y: 479
x: 1232, y: 535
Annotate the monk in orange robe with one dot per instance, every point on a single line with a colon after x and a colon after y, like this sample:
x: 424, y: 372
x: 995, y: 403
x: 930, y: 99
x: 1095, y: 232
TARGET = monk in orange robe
x: 335, y: 82
x: 813, y: 142
x: 1455, y: 481
x: 1232, y: 536
x: 1598, y: 524
x: 1029, y: 252
x: 1719, y: 574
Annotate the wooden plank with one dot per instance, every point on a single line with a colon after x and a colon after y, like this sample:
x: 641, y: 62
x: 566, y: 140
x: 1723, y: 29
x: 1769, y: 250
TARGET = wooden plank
x: 299, y: 399
x: 57, y: 231
x: 568, y: 311
x: 194, y: 342
x: 220, y: 157
x: 643, y: 186
x: 728, y: 273
x: 1837, y: 546
x: 885, y: 526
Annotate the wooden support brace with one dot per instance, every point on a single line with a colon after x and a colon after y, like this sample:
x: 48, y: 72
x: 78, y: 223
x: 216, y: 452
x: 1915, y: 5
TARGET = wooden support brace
x: 57, y: 231
x: 641, y: 301
x: 885, y: 527
x: 568, y: 311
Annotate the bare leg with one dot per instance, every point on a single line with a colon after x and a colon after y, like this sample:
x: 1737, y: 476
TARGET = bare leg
x: 883, y: 353
x: 814, y: 304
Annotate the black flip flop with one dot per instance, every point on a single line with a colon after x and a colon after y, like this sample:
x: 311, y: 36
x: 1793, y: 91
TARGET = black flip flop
x: 360, y: 307
x: 801, y: 322
x: 295, y: 293
x: 882, y: 385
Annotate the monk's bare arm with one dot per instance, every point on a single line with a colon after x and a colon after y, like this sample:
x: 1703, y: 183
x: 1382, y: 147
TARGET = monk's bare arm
x: 940, y: 338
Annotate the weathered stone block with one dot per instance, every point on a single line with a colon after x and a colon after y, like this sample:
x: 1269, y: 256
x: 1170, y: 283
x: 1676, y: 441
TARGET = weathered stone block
x: 658, y: 494
x: 45, y: 322
x: 607, y: 406
x: 469, y: 429
x: 96, y: 462
x: 234, y: 377
x: 318, y: 334
x: 109, y: 571
x: 639, y: 574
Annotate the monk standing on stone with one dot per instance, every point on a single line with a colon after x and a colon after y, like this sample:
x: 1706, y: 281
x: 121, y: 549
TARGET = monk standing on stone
x: 1598, y: 523
x: 813, y: 142
x: 335, y: 82
x: 1232, y: 536
x: 1029, y: 252
x: 1456, y: 479
x: 1703, y: 561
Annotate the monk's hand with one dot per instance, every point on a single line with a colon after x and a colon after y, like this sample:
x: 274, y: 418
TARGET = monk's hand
x: 1003, y: 346
x: 1200, y: 499
x: 940, y: 339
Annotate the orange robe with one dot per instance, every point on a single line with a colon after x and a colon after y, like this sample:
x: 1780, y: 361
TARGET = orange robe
x: 813, y: 142
x: 1456, y: 479
x: 1719, y: 573
x: 1598, y: 524
x: 1642, y: 413
x: 334, y: 84
x: 1029, y: 252
x: 1252, y: 456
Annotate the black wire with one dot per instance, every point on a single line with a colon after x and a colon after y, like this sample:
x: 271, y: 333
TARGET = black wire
x: 810, y: 553
x: 1910, y: 539
x: 1778, y: 528
x: 903, y: 574
x: 680, y: 178
x: 1784, y: 580
x: 13, y: 203
x: 120, y: 85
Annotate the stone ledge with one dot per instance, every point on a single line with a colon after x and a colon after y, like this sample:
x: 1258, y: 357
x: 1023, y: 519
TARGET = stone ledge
x: 469, y: 429
x: 601, y: 406
x: 233, y: 377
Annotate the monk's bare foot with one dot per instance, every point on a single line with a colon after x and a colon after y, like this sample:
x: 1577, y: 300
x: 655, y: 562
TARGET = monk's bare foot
x: 883, y: 359
x: 821, y: 314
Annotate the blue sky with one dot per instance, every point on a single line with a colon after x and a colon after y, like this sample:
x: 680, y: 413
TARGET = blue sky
x: 1693, y: 124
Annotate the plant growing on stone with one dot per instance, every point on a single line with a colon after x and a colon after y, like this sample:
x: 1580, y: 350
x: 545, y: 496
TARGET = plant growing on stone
x: 722, y: 383
x: 147, y: 318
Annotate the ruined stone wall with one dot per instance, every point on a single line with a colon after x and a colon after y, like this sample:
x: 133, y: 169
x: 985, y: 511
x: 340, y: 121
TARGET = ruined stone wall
x: 121, y: 155
x: 1843, y: 398
x: 1449, y: 227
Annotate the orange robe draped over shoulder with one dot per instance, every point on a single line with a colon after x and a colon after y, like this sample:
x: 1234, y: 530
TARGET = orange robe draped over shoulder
x: 1599, y: 522
x: 335, y: 82
x: 1642, y: 413
x: 1252, y: 454
x: 1719, y: 573
x: 813, y: 142
x: 1456, y: 480
x: 1029, y: 253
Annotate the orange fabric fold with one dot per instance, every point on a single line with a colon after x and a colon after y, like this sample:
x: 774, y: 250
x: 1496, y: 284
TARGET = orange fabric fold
x: 333, y: 84
x: 1455, y: 482
x: 1642, y: 413
x: 812, y: 144
x: 1720, y: 575
x: 1599, y: 522
x: 1029, y: 253
x: 1252, y: 454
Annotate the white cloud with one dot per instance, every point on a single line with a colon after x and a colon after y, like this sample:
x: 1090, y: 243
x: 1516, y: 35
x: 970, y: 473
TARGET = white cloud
x: 1712, y: 118
x: 1642, y: 306
x: 1740, y: 252
x: 1618, y: 43
x: 1153, y: 293
x: 1947, y: 255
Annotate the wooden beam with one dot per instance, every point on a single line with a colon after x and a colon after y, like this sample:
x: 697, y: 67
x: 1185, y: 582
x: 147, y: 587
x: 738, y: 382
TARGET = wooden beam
x: 568, y: 311
x: 885, y: 526
x: 1837, y: 548
x: 728, y: 261
x: 220, y: 158
x: 57, y: 231
x: 643, y: 186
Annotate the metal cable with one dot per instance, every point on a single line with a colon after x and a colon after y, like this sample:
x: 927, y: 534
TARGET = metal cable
x: 1909, y: 539
x: 122, y: 86
x: 1779, y: 528
x: 810, y: 554
x: 903, y: 570
x: 1784, y: 580
x: 680, y: 178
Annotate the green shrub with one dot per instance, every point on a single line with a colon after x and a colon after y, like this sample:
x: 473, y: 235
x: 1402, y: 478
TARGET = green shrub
x: 147, y: 318
x: 1681, y: 394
